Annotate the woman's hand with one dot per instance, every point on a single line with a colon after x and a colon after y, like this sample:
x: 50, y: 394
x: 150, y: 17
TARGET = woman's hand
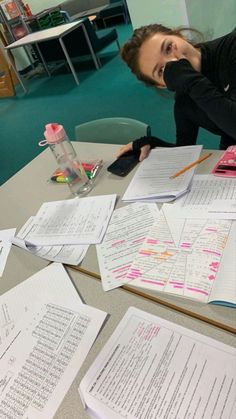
x: 144, y: 150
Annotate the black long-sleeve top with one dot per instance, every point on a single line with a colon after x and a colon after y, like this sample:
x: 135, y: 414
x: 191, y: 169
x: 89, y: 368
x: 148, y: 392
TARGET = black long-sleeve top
x: 207, y: 98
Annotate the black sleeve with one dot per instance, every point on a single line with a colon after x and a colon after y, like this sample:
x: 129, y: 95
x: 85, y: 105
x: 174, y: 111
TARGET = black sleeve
x: 186, y: 129
x: 179, y: 76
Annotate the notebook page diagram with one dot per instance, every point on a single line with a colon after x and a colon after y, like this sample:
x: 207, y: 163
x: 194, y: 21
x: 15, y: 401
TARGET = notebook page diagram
x: 186, y: 268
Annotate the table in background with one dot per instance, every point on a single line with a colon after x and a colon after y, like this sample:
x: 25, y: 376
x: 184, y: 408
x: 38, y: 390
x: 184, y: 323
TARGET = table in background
x: 24, y: 193
x: 57, y: 32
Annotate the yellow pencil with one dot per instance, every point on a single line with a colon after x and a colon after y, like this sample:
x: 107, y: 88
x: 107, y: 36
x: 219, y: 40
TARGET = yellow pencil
x: 194, y: 163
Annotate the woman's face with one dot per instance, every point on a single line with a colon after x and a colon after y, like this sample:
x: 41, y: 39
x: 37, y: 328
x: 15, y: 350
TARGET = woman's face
x: 156, y: 51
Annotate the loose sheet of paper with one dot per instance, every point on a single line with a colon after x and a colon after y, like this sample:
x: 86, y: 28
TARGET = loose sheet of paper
x: 126, y: 231
x: 152, y: 178
x: 70, y: 254
x: 73, y: 221
x: 188, y: 267
x: 209, y: 197
x: 50, y: 281
x: 42, y: 356
x: 152, y: 368
x: 5, y: 246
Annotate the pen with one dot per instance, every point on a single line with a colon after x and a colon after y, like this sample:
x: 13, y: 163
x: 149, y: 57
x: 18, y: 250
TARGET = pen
x: 189, y: 166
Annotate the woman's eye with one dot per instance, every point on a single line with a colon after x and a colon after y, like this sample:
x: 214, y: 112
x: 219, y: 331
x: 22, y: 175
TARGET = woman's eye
x: 169, y: 48
x: 160, y: 71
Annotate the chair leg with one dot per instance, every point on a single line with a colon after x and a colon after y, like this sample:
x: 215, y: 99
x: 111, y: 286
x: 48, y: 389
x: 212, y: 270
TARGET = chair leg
x: 98, y: 61
x: 118, y: 44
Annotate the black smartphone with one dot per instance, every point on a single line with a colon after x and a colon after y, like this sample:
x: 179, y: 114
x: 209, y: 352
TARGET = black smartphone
x: 124, y: 164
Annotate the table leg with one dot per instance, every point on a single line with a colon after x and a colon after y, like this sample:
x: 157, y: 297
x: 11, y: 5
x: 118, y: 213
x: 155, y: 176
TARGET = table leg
x: 43, y: 61
x: 94, y: 57
x: 16, y: 71
x: 69, y: 61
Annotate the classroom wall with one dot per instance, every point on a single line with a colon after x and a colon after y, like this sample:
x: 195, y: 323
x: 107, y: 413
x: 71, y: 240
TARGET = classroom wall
x: 39, y: 5
x: 212, y: 17
x: 167, y: 12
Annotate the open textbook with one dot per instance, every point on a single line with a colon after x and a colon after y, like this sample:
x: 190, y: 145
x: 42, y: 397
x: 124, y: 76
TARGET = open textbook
x: 152, y: 178
x: 49, y: 335
x: 191, y: 258
x: 152, y: 368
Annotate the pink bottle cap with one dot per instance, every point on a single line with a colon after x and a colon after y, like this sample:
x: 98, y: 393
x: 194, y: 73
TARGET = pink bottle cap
x: 54, y: 133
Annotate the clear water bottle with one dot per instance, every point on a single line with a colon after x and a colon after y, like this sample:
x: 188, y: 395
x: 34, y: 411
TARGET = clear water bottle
x: 67, y: 160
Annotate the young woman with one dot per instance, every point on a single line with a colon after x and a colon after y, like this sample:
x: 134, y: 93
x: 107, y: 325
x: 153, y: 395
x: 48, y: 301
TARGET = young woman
x: 203, y: 77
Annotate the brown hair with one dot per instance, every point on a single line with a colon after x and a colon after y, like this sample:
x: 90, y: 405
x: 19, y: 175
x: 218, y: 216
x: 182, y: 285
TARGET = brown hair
x: 130, y: 50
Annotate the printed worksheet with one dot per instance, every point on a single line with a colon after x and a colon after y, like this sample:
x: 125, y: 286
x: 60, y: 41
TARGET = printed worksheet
x: 209, y: 197
x: 126, y: 231
x: 152, y: 178
x: 5, y: 246
x: 41, y: 357
x: 69, y: 254
x: 72, y: 221
x: 152, y: 368
x: 187, y: 267
x: 52, y: 280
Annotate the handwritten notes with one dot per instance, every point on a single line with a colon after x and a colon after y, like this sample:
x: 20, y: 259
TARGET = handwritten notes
x: 187, y: 267
x: 127, y: 230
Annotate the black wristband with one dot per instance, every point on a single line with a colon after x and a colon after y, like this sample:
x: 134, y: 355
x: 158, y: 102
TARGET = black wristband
x: 150, y: 140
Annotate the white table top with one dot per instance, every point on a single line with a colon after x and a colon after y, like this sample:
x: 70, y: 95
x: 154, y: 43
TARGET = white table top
x: 24, y: 193
x: 45, y: 34
x: 22, y: 196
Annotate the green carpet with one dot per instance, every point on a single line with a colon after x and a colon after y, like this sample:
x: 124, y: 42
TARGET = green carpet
x: 111, y: 91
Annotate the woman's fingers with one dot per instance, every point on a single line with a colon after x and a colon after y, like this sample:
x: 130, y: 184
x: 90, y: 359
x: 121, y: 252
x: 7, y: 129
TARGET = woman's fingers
x: 145, y: 150
x: 124, y: 149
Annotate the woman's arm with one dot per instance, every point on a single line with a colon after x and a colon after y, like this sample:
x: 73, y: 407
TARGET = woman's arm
x: 179, y: 76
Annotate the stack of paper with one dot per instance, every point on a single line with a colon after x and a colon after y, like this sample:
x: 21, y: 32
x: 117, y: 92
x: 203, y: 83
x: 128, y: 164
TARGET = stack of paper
x: 152, y: 179
x: 152, y: 368
x: 61, y: 231
x: 45, y: 349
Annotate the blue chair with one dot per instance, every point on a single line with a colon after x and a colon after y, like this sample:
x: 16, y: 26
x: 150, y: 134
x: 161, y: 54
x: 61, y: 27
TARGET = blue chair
x: 117, y: 130
x: 115, y: 8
